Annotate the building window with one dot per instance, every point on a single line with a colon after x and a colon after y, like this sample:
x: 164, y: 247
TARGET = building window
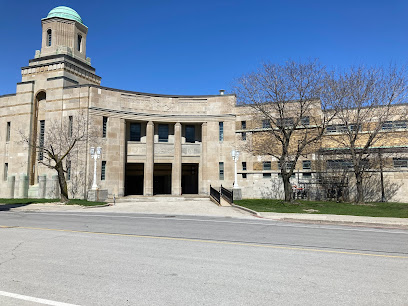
x: 305, y: 121
x: 5, y: 171
x: 41, y: 142
x: 221, y: 130
x: 244, y: 175
x: 103, y: 170
x: 266, y: 124
x: 266, y: 165
x: 400, y: 162
x: 68, y: 166
x: 163, y: 132
x: 307, y: 175
x: 243, y: 125
x: 49, y: 37
x: 285, y: 122
x: 289, y: 165
x: 244, y: 166
x: 104, y: 126
x: 221, y: 170
x: 135, y: 131
x: 243, y: 136
x: 70, y: 125
x: 306, y: 164
x: 339, y: 164
x: 390, y: 125
x: 79, y: 43
x: 8, y: 131
x: 190, y: 133
x: 266, y: 175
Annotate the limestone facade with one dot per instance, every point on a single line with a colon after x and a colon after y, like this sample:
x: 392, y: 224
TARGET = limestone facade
x: 151, y: 143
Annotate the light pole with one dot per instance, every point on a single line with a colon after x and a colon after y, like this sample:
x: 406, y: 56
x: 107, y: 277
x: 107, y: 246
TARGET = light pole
x: 95, y: 154
x: 235, y: 156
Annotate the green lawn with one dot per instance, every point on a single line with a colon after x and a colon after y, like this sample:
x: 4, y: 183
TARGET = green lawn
x: 22, y: 202
x: 396, y: 210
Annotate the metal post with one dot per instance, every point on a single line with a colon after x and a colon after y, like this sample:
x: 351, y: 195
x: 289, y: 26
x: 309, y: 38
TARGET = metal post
x: 95, y: 154
x: 235, y: 156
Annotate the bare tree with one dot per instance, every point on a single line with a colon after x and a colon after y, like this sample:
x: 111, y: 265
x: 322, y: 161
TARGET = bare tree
x: 62, y: 139
x: 367, y: 103
x: 286, y: 99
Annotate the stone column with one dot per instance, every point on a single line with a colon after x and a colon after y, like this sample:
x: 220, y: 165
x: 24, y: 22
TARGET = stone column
x: 176, y: 168
x: 42, y: 185
x: 11, y: 184
x: 149, y: 164
x: 122, y: 160
x: 23, y: 186
x: 202, y: 175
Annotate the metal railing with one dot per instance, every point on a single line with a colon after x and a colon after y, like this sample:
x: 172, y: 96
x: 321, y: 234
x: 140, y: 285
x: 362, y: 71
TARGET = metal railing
x: 215, y: 194
x: 228, y: 195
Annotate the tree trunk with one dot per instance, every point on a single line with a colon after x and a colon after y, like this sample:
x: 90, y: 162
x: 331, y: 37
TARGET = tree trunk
x: 62, y: 182
x: 287, y: 187
x: 359, y: 185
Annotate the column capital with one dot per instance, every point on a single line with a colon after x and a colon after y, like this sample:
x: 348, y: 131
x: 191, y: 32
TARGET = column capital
x: 178, y: 124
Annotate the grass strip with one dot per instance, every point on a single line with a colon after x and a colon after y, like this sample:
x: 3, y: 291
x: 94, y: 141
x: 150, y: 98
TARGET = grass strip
x: 378, y: 209
x: 22, y: 202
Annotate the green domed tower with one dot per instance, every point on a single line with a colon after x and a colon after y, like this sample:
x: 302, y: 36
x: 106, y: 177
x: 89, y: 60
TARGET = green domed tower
x: 63, y: 32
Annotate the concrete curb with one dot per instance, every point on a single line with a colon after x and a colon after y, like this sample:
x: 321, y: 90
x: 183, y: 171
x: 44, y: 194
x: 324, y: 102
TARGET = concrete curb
x: 247, y: 210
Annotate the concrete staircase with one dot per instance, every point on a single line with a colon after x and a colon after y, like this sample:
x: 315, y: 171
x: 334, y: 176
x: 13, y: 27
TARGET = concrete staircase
x: 160, y: 198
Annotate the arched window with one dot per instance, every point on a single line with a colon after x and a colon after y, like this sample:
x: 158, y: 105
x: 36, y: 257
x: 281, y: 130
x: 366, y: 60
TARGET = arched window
x: 49, y: 37
x: 79, y: 43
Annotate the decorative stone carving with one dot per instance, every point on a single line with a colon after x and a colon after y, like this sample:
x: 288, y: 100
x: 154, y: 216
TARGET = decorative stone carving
x: 191, y: 149
x: 164, y: 149
x: 136, y: 148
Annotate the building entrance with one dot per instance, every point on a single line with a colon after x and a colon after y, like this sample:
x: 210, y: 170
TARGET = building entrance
x: 189, y: 179
x: 162, y: 179
x: 134, y: 179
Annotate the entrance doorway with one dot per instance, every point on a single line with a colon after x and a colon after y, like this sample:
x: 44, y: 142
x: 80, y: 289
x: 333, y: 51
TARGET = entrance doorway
x: 189, y: 179
x: 134, y: 179
x: 162, y: 179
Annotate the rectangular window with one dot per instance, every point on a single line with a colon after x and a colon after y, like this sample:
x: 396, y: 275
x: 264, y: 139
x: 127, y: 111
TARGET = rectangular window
x: 307, y: 175
x: 221, y: 170
x: 285, y: 122
x: 400, y: 162
x: 266, y: 124
x: 339, y: 164
x: 79, y: 43
x: 104, y: 126
x: 70, y: 125
x: 135, y: 131
x: 41, y: 140
x: 400, y: 124
x: 163, y: 132
x: 244, y: 175
x: 5, y: 171
x: 244, y: 166
x: 243, y: 125
x: 306, y: 164
x: 103, y: 170
x: 266, y: 175
x: 8, y: 131
x: 221, y: 130
x: 267, y: 165
x: 289, y: 165
x: 243, y: 136
x: 190, y: 133
x: 305, y: 120
x: 68, y: 166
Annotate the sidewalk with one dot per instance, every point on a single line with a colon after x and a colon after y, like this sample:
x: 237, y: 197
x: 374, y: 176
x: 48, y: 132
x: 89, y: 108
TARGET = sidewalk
x: 337, y: 219
x: 204, y: 207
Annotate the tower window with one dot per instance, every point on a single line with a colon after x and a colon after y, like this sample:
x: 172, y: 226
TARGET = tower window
x: 41, y: 142
x: 5, y: 171
x: 8, y: 131
x: 49, y: 37
x: 104, y: 126
x: 68, y: 166
x: 79, y: 43
x: 103, y: 170
x: 221, y: 170
x: 70, y: 125
x: 221, y: 130
x: 190, y: 133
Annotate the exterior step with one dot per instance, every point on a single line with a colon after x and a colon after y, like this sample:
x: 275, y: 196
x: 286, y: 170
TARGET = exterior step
x: 159, y: 199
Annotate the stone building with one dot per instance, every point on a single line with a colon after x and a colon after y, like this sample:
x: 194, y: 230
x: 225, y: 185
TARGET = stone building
x: 151, y: 143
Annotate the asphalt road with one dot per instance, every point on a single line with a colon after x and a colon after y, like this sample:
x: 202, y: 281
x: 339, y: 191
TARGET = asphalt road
x: 132, y: 259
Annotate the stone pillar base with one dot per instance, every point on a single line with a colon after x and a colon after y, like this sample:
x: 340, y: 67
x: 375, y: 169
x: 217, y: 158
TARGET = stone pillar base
x: 237, y: 193
x: 99, y: 195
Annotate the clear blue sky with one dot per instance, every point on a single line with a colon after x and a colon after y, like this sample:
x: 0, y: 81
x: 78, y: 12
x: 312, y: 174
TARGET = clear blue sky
x: 199, y: 47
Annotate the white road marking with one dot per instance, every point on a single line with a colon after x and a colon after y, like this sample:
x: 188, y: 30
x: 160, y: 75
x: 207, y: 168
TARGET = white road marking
x: 34, y: 299
x: 333, y: 227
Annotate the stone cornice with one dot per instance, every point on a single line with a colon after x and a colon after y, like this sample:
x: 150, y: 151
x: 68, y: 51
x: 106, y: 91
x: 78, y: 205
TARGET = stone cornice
x: 65, y: 57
